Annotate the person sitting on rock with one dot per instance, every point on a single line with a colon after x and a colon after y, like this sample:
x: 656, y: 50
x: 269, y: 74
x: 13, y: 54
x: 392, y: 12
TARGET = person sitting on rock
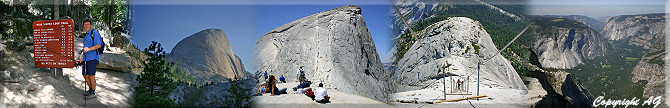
x: 261, y: 88
x: 282, y: 79
x: 302, y: 85
x: 321, y: 95
x: 259, y: 91
x: 258, y: 87
x: 272, y: 87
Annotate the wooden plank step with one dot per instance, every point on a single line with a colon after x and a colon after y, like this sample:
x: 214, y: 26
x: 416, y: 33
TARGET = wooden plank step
x: 456, y: 100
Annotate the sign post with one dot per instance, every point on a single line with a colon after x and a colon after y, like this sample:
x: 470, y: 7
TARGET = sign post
x: 53, y: 44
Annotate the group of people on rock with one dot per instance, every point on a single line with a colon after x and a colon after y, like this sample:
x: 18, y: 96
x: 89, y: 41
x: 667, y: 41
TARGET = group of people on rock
x: 319, y: 94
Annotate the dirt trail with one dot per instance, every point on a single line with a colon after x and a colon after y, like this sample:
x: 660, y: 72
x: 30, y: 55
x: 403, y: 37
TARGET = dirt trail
x: 36, y: 88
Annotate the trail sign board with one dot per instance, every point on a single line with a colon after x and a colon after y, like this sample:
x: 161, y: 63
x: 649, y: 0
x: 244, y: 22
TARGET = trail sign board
x: 53, y: 42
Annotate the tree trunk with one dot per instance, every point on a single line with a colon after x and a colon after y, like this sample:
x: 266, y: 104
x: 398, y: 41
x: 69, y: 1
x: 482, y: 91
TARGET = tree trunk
x: 56, y: 11
x: 152, y: 89
x: 110, y: 15
x: 68, y: 8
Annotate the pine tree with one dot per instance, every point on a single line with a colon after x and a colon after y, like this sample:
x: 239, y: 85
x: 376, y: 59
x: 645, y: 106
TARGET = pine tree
x: 155, y: 84
x: 237, y: 96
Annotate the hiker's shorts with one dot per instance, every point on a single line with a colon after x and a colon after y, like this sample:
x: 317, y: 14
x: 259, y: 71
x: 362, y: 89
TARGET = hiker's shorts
x: 90, y: 67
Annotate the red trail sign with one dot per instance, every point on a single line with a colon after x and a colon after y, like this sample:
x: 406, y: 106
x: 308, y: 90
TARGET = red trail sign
x: 54, y: 43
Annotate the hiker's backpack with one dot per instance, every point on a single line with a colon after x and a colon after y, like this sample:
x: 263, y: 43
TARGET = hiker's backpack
x: 102, y: 48
x: 302, y: 72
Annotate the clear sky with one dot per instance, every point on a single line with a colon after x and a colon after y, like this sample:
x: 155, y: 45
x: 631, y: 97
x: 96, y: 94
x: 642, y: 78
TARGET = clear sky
x: 596, y: 8
x: 168, y: 23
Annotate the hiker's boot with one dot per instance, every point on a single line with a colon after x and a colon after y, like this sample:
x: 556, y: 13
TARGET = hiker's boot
x: 91, y: 95
x: 87, y: 92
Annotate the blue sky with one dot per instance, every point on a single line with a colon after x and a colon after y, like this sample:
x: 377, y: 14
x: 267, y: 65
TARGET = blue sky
x: 243, y: 24
x: 596, y: 8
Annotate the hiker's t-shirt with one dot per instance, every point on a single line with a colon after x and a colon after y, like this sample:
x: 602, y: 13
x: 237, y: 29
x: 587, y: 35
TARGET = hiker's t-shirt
x: 88, y: 42
x: 320, y: 94
x: 261, y: 89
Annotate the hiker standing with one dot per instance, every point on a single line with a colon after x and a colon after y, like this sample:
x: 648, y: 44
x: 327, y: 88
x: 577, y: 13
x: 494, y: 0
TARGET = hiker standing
x: 459, y: 84
x: 91, y: 46
x: 301, y: 74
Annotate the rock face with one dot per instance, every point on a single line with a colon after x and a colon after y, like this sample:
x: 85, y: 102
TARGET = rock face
x: 412, y: 10
x: 644, y: 30
x: 207, y: 56
x: 335, y: 47
x: 562, y: 43
x: 650, y: 69
x: 647, y: 31
x: 566, y: 85
x: 459, y: 41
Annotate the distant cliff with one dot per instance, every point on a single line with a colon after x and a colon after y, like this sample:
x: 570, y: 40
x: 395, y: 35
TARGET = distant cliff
x: 562, y: 43
x: 208, y: 57
x: 645, y: 30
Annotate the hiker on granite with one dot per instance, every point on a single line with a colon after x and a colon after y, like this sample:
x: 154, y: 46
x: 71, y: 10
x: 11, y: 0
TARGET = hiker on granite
x: 307, y: 91
x: 92, y: 42
x: 282, y: 79
x: 302, y: 85
x: 260, y: 88
x: 459, y: 84
x: 299, y: 91
x: 301, y: 75
x: 272, y: 87
x: 321, y: 95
